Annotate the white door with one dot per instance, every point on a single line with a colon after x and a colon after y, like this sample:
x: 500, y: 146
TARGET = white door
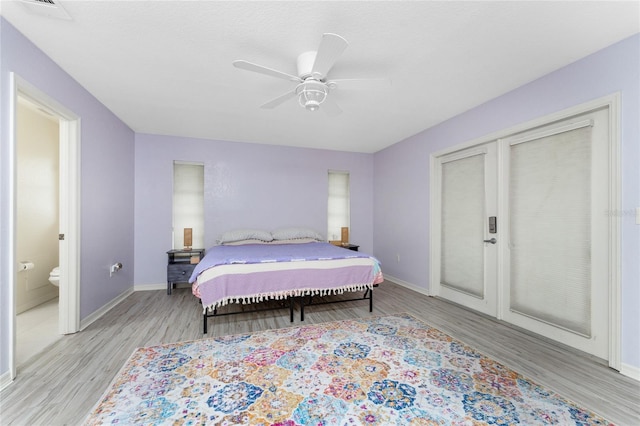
x: 556, y: 259
x: 467, y: 247
x: 549, y: 270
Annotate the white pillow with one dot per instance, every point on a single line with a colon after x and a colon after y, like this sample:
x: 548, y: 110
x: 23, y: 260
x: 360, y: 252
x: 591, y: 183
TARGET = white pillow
x: 294, y: 233
x: 245, y: 234
x: 245, y: 242
x: 295, y: 241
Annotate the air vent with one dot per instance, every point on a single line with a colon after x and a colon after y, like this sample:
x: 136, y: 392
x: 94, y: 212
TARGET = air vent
x: 49, y: 8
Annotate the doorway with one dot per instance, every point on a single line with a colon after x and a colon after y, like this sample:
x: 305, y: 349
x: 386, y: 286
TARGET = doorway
x: 519, y: 230
x: 69, y: 217
x: 37, y: 225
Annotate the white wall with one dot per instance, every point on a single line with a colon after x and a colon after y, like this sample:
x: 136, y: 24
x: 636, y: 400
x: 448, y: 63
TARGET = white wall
x: 37, y: 205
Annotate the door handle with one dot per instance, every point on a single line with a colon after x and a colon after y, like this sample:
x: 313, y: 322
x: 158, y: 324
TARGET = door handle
x: 492, y: 241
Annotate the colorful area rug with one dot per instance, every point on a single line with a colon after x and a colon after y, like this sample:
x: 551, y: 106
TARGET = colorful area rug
x: 392, y: 370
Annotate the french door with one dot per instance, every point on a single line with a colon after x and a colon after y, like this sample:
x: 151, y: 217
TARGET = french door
x: 523, y: 234
x: 468, y: 261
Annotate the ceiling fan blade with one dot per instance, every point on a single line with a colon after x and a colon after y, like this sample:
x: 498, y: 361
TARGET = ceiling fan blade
x: 331, y: 47
x: 279, y: 100
x: 360, y: 83
x: 250, y: 66
x: 330, y: 107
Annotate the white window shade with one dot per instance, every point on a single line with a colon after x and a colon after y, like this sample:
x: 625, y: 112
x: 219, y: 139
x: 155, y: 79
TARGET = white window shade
x: 463, y: 212
x: 188, y: 203
x: 550, y: 235
x: 338, y: 214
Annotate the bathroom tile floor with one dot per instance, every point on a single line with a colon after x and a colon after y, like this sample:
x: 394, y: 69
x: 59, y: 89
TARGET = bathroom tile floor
x: 36, y: 329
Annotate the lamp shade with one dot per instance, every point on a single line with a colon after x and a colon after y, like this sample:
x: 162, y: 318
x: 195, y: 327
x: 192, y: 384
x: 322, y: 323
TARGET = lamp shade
x: 311, y: 94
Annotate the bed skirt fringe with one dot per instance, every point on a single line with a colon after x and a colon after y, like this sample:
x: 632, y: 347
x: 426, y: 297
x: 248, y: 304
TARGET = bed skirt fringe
x: 281, y: 295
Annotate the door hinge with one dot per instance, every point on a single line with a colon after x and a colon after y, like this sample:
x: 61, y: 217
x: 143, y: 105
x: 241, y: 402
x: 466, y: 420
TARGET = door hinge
x: 61, y: 237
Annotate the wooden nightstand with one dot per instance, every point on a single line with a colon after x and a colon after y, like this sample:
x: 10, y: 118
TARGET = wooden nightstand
x: 180, y: 266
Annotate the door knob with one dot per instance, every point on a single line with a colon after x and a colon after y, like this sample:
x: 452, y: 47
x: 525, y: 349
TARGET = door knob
x: 492, y: 241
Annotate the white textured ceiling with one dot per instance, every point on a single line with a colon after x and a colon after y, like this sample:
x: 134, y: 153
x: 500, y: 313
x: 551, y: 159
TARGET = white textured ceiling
x: 164, y: 67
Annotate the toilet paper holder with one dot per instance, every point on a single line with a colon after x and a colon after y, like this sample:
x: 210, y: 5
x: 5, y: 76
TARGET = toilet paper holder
x: 25, y: 266
x: 114, y: 268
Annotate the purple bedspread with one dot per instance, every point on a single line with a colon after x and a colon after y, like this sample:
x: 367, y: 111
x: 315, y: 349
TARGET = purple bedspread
x: 266, y: 253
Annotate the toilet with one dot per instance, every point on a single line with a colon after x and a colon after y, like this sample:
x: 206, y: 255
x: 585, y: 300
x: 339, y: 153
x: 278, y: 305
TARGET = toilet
x: 54, y: 276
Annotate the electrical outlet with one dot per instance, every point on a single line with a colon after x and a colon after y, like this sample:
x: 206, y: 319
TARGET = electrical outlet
x: 398, y: 257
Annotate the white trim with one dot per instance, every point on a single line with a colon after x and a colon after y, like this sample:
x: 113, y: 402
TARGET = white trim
x: 435, y: 194
x: 149, y: 287
x: 5, y: 380
x: 459, y: 155
x: 502, y: 197
x: 630, y: 371
x: 87, y: 321
x: 69, y: 318
x: 408, y: 285
x: 615, y: 185
x: 11, y: 235
x: 550, y: 132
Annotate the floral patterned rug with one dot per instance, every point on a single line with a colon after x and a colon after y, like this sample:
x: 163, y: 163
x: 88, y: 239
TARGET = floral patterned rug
x: 392, y: 370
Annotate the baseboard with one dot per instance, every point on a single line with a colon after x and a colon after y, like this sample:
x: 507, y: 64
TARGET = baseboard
x: 86, y: 322
x: 37, y: 300
x: 630, y: 371
x: 149, y: 287
x: 5, y: 380
x: 154, y: 287
x: 407, y: 285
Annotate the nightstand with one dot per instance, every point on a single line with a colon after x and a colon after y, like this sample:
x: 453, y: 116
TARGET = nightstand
x: 180, y: 265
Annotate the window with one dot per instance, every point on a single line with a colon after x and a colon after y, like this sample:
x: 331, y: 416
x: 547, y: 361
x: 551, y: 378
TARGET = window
x: 188, y: 203
x: 338, y: 204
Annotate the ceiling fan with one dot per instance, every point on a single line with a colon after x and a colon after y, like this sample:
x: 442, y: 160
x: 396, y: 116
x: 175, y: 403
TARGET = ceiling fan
x: 313, y: 87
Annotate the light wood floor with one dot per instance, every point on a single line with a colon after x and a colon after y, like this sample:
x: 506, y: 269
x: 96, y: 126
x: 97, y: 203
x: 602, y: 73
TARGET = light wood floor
x: 61, y: 385
x: 36, y: 329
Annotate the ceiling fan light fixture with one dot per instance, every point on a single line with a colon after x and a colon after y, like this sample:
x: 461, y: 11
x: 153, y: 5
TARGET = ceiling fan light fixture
x: 313, y: 86
x: 311, y: 94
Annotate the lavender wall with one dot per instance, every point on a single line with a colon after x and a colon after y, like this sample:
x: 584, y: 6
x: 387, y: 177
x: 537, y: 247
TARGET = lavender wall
x: 246, y: 186
x: 107, y: 156
x: 267, y: 187
x: 401, y: 172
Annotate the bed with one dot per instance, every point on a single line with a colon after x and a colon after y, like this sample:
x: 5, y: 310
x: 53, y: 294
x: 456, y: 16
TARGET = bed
x: 277, y: 267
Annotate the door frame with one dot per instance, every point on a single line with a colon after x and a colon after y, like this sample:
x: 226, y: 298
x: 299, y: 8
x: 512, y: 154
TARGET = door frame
x: 612, y: 102
x: 69, y: 139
